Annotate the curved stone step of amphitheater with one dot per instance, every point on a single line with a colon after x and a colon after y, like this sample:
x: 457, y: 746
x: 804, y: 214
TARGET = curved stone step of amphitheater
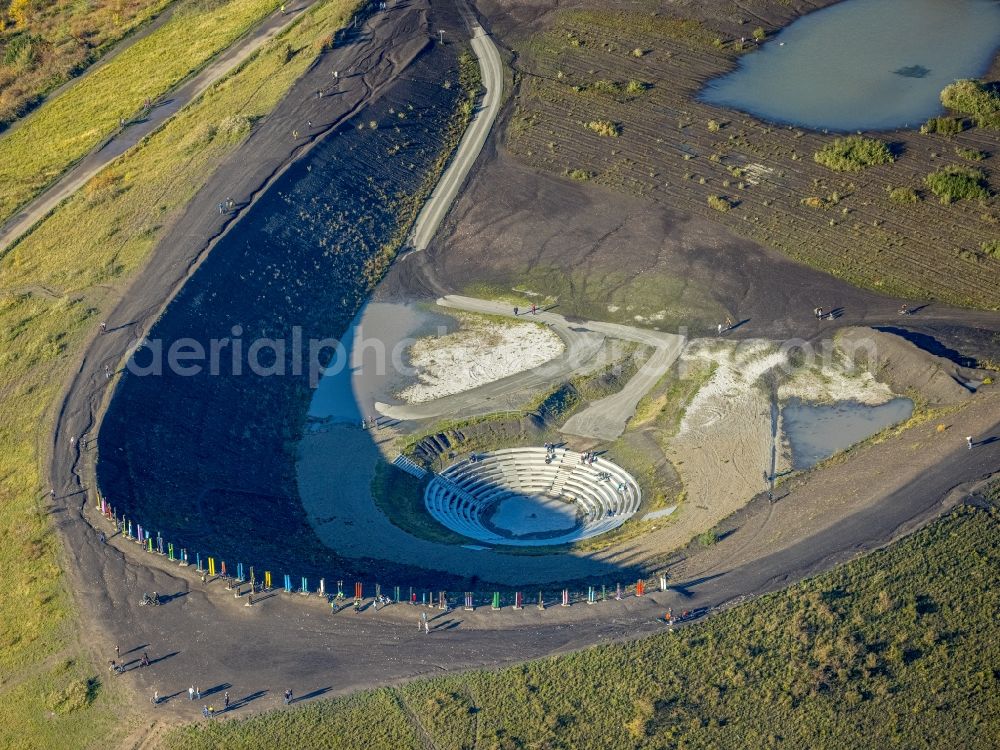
x: 532, y: 496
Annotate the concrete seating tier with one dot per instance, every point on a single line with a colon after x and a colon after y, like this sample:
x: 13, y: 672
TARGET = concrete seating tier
x: 463, y: 495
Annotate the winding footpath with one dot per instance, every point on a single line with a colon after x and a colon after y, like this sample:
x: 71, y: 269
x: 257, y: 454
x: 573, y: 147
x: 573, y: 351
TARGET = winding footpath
x: 471, y: 145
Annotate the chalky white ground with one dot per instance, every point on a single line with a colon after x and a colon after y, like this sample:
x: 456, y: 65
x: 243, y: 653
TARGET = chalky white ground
x: 481, y: 351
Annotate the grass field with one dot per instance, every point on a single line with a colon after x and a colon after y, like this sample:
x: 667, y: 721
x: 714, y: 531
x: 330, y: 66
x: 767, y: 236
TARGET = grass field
x: 51, y: 297
x: 45, y: 42
x: 757, y: 179
x: 896, y: 649
x: 69, y: 126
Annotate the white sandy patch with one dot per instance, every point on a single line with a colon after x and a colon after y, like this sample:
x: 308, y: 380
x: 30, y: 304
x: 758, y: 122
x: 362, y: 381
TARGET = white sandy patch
x: 723, y: 447
x: 480, y: 352
x: 835, y: 381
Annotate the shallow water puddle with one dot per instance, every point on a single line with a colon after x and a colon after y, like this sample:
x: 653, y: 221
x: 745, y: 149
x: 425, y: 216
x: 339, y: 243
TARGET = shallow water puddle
x: 817, y: 431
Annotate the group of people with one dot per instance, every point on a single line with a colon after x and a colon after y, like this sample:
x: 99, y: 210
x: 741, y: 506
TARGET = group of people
x: 119, y: 667
x: 588, y: 458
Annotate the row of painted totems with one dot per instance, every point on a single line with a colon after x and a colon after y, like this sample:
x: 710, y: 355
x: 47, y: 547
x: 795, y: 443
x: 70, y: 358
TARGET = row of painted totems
x: 209, y: 567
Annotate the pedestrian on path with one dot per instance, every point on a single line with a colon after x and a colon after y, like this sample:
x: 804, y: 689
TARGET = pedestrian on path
x: 191, y: 693
x: 155, y: 700
x: 222, y: 209
x: 283, y: 9
x: 102, y: 538
x: 427, y: 627
x: 288, y: 696
x: 719, y: 330
x: 968, y: 439
x: 205, y: 712
x: 225, y: 701
x: 197, y: 693
x: 104, y: 327
x: 336, y: 75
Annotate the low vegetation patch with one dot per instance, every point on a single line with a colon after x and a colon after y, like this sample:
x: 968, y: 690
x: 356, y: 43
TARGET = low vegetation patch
x: 974, y: 99
x: 896, y: 649
x: 719, y: 202
x: 991, y: 247
x: 956, y: 182
x: 903, y: 195
x: 853, y: 153
x: 972, y: 154
x: 944, y: 125
x: 605, y: 127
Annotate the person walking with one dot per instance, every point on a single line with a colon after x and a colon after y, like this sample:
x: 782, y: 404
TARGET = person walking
x: 427, y: 627
x: 104, y: 327
x: 205, y: 712
x: 197, y: 692
x: 118, y: 651
x: 191, y: 693
x: 288, y: 696
x: 718, y: 330
x: 225, y: 701
x: 155, y: 700
x: 968, y: 439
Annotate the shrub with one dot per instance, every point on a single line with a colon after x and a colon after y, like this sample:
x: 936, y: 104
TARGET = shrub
x: 903, y: 195
x: 719, y: 203
x: 853, y: 153
x: 974, y: 99
x: 944, y: 125
x: 638, y: 52
x: 606, y: 87
x: 713, y: 126
x: 971, y: 154
x: 636, y: 87
x: 955, y: 182
x: 605, y: 127
x: 580, y: 175
x: 759, y: 34
x: 991, y: 247
x: 708, y: 538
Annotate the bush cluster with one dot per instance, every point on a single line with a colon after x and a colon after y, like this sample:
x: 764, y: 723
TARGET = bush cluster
x: 605, y: 127
x: 944, y: 125
x: 974, y: 99
x: 956, y: 182
x: 853, y: 153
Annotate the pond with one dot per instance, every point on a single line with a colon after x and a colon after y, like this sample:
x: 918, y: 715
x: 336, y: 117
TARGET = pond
x: 817, y: 431
x: 863, y: 64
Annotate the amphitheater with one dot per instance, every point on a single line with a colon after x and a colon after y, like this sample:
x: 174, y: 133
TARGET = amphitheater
x: 517, y: 497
